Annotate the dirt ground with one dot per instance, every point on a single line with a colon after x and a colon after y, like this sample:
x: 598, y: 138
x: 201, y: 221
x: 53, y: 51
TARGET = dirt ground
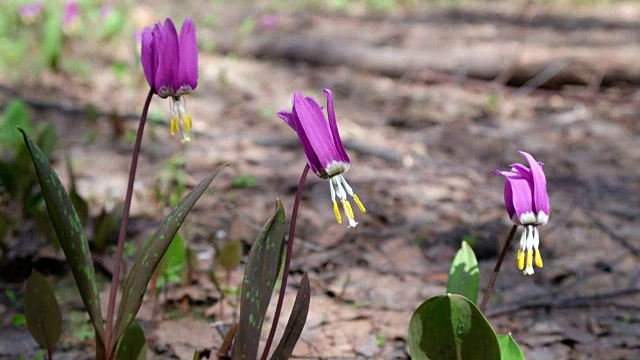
x: 423, y: 151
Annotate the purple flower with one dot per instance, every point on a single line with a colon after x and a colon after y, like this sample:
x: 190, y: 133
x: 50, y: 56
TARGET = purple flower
x: 70, y: 16
x: 323, y: 148
x: 527, y: 203
x: 30, y: 12
x: 170, y: 65
x: 106, y: 10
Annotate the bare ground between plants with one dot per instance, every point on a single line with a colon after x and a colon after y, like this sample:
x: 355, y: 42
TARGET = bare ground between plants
x: 423, y: 152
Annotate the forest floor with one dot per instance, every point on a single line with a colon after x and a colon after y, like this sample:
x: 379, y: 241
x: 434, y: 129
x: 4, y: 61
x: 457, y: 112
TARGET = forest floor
x: 423, y: 148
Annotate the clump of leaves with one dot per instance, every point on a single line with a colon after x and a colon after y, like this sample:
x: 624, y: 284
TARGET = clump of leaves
x: 452, y: 327
x: 74, y: 243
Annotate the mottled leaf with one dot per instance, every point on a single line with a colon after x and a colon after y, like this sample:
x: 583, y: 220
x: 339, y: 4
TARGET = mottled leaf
x: 451, y: 327
x: 509, y: 349
x: 296, y: 322
x: 70, y: 234
x: 260, y: 276
x: 133, y: 344
x: 464, y: 275
x: 42, y: 312
x: 145, y: 264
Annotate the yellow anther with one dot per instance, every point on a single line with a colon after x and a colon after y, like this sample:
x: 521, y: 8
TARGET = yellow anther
x: 529, y: 258
x: 360, y: 206
x: 173, y: 126
x: 348, y: 206
x: 190, y: 121
x: 520, y: 259
x: 336, y: 212
x: 538, y: 258
x: 185, y: 121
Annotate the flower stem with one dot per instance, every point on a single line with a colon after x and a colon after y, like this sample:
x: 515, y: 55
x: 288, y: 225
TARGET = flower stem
x: 496, y: 269
x: 123, y: 230
x: 287, y: 262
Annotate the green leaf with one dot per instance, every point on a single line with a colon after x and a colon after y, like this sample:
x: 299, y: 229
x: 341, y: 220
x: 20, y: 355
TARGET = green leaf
x: 42, y: 312
x: 19, y: 320
x: 112, y: 24
x: 133, y: 345
x: 70, y: 233
x: 15, y: 115
x: 80, y: 205
x: 173, y: 261
x: 52, y: 40
x: 464, y: 275
x: 244, y: 181
x: 46, y: 138
x: 451, y: 327
x: 143, y: 268
x: 296, y: 322
x: 509, y: 349
x: 260, y: 276
x: 230, y: 255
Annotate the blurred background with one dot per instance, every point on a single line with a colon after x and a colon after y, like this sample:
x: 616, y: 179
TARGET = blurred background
x: 431, y: 97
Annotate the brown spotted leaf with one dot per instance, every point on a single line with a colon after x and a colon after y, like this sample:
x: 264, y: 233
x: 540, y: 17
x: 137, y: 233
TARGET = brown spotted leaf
x: 260, y: 276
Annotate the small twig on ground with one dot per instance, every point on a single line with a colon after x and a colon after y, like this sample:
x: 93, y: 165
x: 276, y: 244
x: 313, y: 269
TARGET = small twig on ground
x: 596, y: 300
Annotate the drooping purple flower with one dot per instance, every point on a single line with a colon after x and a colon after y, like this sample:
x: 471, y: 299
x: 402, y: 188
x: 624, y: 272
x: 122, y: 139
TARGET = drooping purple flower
x: 170, y: 64
x: 323, y: 148
x: 30, y: 12
x: 527, y: 203
x: 70, y: 16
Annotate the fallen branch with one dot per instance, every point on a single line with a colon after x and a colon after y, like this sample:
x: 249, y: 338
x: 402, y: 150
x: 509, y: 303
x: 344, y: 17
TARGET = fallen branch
x: 571, y: 302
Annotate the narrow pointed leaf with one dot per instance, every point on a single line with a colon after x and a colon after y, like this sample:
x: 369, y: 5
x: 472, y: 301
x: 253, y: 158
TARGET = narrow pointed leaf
x: 42, y: 312
x: 464, y: 276
x: 296, y: 322
x: 145, y: 264
x: 259, y: 279
x: 133, y: 345
x: 70, y: 233
x: 509, y: 349
x: 451, y: 327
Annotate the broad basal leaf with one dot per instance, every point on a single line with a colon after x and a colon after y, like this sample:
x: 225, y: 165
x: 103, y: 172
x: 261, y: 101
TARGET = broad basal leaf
x: 464, y: 276
x: 509, y: 348
x: 136, y: 282
x: 451, y: 327
x: 42, y: 312
x: 259, y: 279
x: 70, y: 233
x: 133, y: 344
x: 296, y: 322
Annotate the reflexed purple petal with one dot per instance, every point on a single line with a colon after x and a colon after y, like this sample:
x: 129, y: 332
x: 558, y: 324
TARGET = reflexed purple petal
x: 309, y: 153
x: 540, y: 196
x: 508, y: 193
x: 333, y: 126
x: 521, y: 197
x: 167, y: 53
x: 313, y: 124
x: 148, y: 56
x: 288, y: 118
x: 188, y: 68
